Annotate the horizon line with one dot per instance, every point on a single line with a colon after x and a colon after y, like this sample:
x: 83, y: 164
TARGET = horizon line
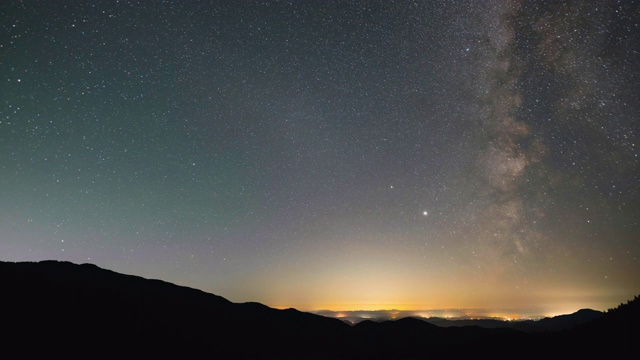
x: 448, y: 313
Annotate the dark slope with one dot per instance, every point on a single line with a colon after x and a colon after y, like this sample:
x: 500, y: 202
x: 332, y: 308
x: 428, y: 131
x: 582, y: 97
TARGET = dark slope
x: 615, y: 333
x: 60, y: 308
x: 67, y: 307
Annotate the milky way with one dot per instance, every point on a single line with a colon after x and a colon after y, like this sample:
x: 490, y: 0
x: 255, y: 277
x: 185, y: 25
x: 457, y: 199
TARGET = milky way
x: 329, y: 154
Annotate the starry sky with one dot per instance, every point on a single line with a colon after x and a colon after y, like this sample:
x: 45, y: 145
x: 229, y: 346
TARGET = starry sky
x: 338, y: 155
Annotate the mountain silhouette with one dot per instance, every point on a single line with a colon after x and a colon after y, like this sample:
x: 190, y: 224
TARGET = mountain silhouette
x: 53, y: 308
x: 556, y: 323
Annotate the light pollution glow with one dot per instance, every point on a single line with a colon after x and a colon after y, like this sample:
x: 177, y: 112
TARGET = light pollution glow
x: 378, y: 279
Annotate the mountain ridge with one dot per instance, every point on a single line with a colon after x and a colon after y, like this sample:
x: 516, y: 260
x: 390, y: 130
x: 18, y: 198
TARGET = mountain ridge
x: 52, y: 303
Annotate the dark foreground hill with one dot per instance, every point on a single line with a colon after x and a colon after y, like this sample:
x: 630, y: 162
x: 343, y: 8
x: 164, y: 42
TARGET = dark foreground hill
x: 59, y: 308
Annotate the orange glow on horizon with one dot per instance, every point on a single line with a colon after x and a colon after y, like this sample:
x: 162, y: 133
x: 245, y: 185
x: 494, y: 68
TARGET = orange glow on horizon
x: 498, y: 306
x: 362, y: 307
x: 397, y: 311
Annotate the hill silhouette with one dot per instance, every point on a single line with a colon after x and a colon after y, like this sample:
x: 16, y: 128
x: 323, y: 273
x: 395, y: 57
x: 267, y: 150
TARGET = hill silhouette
x: 556, y: 323
x: 60, y: 308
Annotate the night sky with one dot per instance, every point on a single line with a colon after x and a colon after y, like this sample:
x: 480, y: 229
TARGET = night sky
x: 342, y: 155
